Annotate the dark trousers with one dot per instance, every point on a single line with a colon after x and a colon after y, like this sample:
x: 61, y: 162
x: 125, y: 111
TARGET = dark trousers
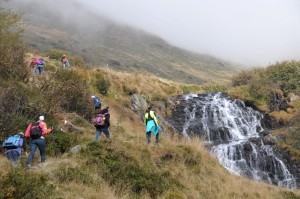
x: 34, y: 144
x: 99, y: 131
x: 148, y: 134
x: 13, y: 156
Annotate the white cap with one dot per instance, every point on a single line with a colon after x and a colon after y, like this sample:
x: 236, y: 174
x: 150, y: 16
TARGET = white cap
x: 41, y: 118
x: 93, y: 96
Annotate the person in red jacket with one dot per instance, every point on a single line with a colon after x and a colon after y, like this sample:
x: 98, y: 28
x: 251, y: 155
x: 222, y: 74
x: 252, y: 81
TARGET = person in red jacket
x: 37, y: 141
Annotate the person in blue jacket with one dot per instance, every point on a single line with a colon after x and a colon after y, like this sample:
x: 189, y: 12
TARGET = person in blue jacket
x: 151, y: 124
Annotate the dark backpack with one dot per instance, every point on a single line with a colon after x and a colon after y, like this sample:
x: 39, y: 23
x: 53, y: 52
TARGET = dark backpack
x: 35, y: 130
x: 99, y: 120
x: 12, y: 142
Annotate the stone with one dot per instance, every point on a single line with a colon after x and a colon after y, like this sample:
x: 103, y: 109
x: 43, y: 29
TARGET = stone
x: 75, y: 149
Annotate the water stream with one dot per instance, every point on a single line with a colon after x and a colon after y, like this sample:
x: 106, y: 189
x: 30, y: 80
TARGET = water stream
x: 234, y: 132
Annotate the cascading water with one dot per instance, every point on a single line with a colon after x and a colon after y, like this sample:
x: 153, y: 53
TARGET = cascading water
x: 234, y: 132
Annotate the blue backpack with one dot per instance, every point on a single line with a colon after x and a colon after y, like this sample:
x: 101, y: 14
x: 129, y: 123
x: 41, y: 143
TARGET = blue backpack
x: 12, y: 142
x: 97, y: 102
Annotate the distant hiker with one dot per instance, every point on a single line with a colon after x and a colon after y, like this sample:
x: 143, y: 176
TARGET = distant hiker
x: 41, y: 65
x: 151, y: 124
x: 36, y: 131
x: 34, y: 64
x: 13, y: 146
x: 65, y: 61
x: 101, y: 122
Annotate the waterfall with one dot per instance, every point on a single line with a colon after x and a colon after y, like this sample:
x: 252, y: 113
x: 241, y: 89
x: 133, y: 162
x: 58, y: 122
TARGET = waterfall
x: 234, y: 132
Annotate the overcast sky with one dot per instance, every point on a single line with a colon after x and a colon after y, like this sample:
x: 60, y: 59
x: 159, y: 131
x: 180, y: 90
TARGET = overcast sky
x: 252, y: 32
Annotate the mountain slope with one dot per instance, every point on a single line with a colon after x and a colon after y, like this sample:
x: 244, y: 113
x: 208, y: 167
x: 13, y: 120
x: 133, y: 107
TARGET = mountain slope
x: 103, y: 42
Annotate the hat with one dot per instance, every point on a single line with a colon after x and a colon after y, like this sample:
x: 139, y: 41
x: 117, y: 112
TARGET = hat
x: 93, y: 96
x: 41, y: 117
x: 21, y: 133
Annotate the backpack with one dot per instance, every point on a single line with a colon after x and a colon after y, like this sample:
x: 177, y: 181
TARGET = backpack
x: 35, y: 130
x: 41, y: 61
x: 97, y: 102
x: 12, y: 142
x: 99, y: 120
x: 65, y: 60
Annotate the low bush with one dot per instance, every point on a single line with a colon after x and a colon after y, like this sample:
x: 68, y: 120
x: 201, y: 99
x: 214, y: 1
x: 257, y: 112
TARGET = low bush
x: 67, y: 175
x: 102, y: 84
x: 119, y: 168
x: 17, y: 183
x: 59, y: 143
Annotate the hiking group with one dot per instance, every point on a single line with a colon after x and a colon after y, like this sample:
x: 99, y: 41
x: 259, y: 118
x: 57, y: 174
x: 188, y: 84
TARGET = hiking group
x: 38, y: 65
x: 37, y: 131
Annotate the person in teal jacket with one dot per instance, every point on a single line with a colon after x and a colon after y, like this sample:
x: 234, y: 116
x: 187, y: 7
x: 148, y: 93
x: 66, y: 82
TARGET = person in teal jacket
x: 151, y: 124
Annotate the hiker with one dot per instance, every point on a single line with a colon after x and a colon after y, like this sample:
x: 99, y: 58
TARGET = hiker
x: 41, y: 65
x: 101, y: 122
x: 97, y: 104
x: 13, y: 146
x: 151, y: 124
x: 36, y: 131
x: 34, y: 64
x: 65, y: 61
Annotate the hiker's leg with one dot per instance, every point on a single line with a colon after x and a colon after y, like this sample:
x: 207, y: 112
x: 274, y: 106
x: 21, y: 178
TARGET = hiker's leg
x: 42, y: 147
x: 15, y: 157
x: 148, y: 134
x: 157, y: 137
x: 33, y: 147
x: 40, y: 70
x: 9, y: 155
x: 98, y: 133
x: 106, y: 132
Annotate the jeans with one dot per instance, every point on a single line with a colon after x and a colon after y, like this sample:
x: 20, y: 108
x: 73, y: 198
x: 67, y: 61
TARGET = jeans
x: 37, y: 143
x: 13, y: 156
x: 41, y: 68
x: 148, y: 134
x: 99, y: 131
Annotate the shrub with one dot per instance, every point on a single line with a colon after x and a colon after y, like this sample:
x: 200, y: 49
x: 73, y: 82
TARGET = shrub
x: 102, y: 84
x: 12, y: 50
x: 119, y: 168
x: 70, y: 91
x: 59, y: 143
x: 17, y: 183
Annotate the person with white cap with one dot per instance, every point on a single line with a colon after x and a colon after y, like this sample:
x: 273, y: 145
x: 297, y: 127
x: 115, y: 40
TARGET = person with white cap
x: 14, y: 152
x: 36, y: 132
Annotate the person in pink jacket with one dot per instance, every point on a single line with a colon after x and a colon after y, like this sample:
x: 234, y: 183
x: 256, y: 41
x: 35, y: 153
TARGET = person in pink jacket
x: 36, y: 132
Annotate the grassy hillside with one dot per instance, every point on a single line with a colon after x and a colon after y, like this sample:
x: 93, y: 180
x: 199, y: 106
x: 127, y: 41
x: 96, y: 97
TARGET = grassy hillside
x: 126, y: 167
x: 103, y: 42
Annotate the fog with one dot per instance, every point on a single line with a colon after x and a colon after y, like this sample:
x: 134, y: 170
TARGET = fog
x: 256, y: 32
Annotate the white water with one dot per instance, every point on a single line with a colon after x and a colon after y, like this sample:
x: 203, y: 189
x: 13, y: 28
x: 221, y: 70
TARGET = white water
x: 229, y: 124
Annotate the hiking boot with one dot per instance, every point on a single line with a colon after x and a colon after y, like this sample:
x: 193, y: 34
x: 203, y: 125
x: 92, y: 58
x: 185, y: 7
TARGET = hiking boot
x: 28, y: 166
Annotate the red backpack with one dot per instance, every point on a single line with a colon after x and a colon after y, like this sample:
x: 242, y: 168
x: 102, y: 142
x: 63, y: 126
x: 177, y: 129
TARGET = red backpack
x: 65, y: 60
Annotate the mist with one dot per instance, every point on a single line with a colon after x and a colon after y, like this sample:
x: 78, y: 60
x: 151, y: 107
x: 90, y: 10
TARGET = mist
x: 253, y: 33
